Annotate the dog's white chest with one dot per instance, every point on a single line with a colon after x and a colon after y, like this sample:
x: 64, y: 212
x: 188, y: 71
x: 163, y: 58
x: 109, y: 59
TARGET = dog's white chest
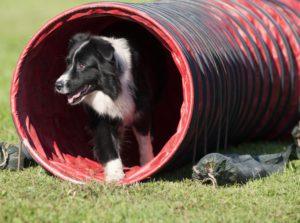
x: 123, y: 107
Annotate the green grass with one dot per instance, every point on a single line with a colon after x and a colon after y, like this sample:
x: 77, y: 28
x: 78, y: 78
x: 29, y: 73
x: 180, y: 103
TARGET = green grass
x: 34, y: 196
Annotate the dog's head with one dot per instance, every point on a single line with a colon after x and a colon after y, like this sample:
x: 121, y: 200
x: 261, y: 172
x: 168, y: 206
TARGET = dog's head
x: 90, y: 66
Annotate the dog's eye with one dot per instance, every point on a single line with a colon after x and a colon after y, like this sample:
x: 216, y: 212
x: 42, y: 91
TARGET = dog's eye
x: 81, y: 66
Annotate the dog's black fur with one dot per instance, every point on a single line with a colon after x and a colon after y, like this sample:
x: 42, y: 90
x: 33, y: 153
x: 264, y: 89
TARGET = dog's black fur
x: 95, y: 66
x: 100, y: 72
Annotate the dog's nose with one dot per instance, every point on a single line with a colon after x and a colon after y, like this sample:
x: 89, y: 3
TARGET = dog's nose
x: 59, y: 85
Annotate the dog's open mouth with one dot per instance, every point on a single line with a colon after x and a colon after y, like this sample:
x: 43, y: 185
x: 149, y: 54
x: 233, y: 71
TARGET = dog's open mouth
x: 78, y: 96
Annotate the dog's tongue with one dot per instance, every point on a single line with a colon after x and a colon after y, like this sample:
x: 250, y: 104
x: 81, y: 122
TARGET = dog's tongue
x: 71, y: 99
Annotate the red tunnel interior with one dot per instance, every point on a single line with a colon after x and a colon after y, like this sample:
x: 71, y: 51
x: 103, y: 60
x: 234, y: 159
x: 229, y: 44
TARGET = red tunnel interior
x: 58, y: 131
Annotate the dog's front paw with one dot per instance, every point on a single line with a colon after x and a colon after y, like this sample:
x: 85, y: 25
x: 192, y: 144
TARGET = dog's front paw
x: 114, y: 171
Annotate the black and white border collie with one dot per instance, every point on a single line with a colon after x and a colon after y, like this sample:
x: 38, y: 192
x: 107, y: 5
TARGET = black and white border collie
x: 107, y: 74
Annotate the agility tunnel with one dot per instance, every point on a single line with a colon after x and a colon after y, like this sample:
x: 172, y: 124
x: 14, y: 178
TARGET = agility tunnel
x: 227, y: 72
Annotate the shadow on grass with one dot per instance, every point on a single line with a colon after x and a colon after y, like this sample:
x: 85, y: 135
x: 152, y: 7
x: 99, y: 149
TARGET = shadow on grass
x: 175, y: 175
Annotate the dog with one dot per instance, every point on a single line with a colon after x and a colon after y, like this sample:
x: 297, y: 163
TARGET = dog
x: 108, y: 75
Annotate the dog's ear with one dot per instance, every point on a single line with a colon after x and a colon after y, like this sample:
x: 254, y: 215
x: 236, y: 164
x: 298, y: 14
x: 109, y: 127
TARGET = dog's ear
x: 79, y: 37
x: 104, y: 48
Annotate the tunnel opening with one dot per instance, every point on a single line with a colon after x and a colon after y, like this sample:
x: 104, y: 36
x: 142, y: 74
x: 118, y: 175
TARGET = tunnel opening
x: 58, y: 132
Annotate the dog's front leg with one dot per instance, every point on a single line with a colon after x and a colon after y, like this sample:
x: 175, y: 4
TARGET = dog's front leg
x: 107, y: 149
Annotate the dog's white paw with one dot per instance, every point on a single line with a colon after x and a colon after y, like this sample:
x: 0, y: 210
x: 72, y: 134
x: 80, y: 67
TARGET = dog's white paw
x: 114, y: 171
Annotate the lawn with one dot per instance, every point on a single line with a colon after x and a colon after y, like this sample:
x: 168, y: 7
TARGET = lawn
x: 34, y: 196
